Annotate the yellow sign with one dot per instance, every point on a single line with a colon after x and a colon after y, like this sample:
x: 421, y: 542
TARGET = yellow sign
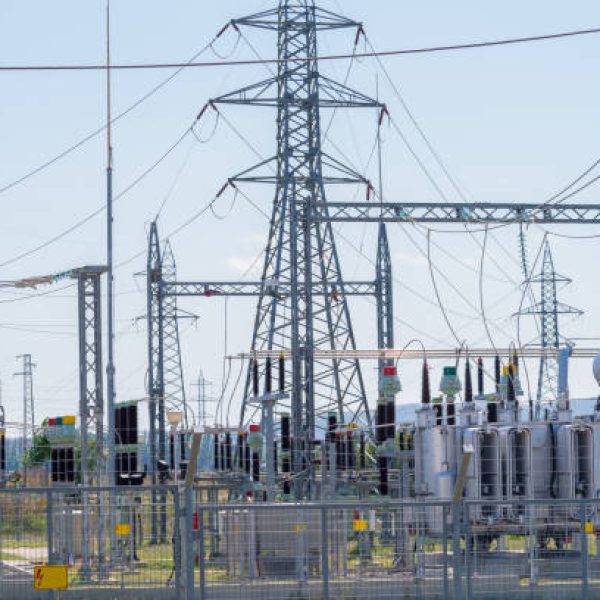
x: 589, y: 527
x: 299, y: 527
x: 122, y: 529
x: 360, y: 525
x: 55, y: 577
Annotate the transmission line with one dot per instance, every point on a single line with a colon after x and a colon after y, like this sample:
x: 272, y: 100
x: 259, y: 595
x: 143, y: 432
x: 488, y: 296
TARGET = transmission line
x: 329, y: 57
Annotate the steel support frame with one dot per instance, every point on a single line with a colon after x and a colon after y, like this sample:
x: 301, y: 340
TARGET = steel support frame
x: 156, y: 391
x: 166, y: 390
x: 460, y: 213
x: 91, y: 404
x: 246, y: 289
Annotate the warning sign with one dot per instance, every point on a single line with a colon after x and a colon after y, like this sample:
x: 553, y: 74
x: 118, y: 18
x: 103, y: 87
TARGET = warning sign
x: 55, y: 577
x: 122, y: 529
x: 360, y: 525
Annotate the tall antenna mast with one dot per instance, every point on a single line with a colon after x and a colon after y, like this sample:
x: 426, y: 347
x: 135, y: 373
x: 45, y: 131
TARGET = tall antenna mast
x: 110, y: 367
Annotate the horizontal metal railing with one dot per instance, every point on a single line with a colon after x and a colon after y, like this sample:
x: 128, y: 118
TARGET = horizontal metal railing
x: 371, y: 548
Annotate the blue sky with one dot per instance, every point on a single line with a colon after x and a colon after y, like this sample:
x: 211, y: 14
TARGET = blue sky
x: 512, y: 124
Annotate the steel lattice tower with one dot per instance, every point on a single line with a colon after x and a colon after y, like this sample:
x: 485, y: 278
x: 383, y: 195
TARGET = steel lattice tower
x: 549, y: 308
x: 28, y: 402
x: 301, y: 253
x: 165, y: 374
x: 91, y: 406
x: 174, y: 388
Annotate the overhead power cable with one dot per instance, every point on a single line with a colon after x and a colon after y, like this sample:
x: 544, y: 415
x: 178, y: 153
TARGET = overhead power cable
x: 330, y: 57
x: 555, y: 197
x: 100, y: 209
x: 116, y: 118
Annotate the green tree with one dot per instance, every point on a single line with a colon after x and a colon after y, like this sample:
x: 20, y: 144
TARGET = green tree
x: 39, y: 452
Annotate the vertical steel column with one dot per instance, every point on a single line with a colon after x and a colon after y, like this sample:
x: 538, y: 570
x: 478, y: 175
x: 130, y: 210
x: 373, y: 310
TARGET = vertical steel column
x: 456, y: 552
x: 188, y: 533
x: 181, y: 524
x: 585, y: 576
x: 325, y: 553
x: 91, y: 403
x: 50, y: 526
x: 155, y: 328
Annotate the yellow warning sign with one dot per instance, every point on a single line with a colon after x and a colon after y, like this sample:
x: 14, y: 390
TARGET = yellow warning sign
x: 300, y: 527
x: 55, y: 577
x: 589, y: 527
x: 360, y: 525
x: 122, y: 529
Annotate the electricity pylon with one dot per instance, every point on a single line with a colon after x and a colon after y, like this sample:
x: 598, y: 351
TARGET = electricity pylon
x: 301, y: 252
x: 548, y: 308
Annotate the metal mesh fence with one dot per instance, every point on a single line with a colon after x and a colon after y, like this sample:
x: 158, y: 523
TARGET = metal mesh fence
x: 171, y: 542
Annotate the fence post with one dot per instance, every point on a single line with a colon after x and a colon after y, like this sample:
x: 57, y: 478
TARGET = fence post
x: 456, y: 558
x: 470, y: 549
x: 325, y: 553
x: 584, y: 554
x: 189, y: 542
x: 445, y: 549
x: 201, y: 552
x: 50, y: 526
x: 177, y: 550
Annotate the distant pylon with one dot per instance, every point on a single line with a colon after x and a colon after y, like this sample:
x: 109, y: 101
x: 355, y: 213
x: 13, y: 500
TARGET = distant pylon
x: 165, y: 375
x: 28, y: 402
x: 549, y: 308
x: 175, y: 398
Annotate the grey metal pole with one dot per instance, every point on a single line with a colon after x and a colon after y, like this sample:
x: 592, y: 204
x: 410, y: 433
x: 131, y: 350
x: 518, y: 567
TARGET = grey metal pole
x: 110, y: 368
x: 189, y: 543
x: 456, y: 558
x: 445, y: 550
x: 325, y: 553
x: 110, y: 365
x: 179, y: 519
x: 201, y: 551
x: 268, y: 405
x: 584, y: 555
x: 469, y: 552
x: 50, y: 526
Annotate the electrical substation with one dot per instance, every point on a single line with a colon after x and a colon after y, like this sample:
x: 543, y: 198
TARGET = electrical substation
x: 317, y: 489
